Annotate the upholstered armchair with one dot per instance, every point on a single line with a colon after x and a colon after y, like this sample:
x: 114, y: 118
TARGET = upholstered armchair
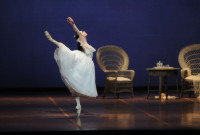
x: 189, y: 60
x: 114, y: 62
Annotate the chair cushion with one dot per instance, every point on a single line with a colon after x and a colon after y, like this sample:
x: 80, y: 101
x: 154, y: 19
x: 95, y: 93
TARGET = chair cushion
x: 118, y: 79
x: 193, y: 78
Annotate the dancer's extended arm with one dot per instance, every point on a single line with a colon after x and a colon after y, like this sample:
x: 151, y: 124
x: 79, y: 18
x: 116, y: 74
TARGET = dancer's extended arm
x: 71, y: 21
x: 58, y: 44
x: 76, y: 29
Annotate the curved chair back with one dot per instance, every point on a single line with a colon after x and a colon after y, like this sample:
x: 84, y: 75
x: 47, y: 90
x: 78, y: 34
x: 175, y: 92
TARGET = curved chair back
x: 189, y: 57
x: 112, y: 57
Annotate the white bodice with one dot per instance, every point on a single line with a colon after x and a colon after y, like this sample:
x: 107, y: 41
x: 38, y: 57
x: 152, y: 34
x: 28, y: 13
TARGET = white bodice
x: 89, y: 50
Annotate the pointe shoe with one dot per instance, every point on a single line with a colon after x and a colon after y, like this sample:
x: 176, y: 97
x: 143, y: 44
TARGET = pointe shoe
x: 78, y: 121
x: 48, y: 35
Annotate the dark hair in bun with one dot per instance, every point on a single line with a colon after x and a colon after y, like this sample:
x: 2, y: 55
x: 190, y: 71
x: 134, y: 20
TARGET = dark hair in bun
x: 78, y: 43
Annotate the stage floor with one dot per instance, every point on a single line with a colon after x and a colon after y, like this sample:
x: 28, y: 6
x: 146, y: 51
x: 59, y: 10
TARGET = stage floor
x: 55, y: 111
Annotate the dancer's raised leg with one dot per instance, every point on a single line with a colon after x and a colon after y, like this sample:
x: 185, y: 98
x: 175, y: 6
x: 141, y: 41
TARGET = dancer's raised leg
x: 58, y: 44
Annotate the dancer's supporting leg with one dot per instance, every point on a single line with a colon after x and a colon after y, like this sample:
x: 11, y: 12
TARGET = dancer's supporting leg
x: 78, y: 106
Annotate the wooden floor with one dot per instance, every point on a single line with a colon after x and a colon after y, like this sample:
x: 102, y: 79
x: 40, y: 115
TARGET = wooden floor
x: 54, y: 111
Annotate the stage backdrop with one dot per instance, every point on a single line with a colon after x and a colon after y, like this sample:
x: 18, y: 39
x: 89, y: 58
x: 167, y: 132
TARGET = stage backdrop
x: 148, y: 30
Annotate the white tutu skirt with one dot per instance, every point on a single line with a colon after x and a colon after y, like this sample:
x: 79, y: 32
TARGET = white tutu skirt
x: 77, y: 70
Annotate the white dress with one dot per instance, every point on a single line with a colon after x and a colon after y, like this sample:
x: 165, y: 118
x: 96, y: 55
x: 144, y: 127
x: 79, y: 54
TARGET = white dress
x: 77, y: 69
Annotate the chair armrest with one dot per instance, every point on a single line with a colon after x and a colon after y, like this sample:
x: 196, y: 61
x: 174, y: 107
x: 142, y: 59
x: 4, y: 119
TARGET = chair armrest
x: 185, y: 72
x: 111, y: 71
x: 127, y: 73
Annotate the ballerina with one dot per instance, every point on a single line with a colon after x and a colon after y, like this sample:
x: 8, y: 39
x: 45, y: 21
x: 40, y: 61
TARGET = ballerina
x: 76, y: 67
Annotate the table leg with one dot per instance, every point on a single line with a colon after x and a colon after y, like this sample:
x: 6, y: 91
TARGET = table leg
x: 160, y: 86
x: 149, y: 84
x: 179, y: 95
x: 166, y: 91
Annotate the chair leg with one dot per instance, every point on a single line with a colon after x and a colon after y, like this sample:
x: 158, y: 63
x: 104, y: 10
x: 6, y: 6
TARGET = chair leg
x: 115, y: 90
x: 104, y: 92
x: 190, y: 93
x: 103, y: 95
x: 182, y: 88
x: 115, y: 95
x: 181, y: 94
x: 132, y: 94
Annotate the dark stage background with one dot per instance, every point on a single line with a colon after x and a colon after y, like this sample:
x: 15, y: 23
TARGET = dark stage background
x: 148, y: 30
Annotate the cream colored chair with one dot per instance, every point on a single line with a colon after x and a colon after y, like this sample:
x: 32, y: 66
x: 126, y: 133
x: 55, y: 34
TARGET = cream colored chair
x: 114, y: 62
x: 189, y: 60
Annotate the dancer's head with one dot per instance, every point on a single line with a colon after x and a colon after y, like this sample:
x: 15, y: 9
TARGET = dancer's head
x: 84, y: 33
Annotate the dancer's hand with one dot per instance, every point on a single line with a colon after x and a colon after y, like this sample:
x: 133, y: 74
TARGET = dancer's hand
x: 70, y: 20
x: 48, y: 35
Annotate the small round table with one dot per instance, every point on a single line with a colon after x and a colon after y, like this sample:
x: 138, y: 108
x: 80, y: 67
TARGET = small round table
x: 162, y: 72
